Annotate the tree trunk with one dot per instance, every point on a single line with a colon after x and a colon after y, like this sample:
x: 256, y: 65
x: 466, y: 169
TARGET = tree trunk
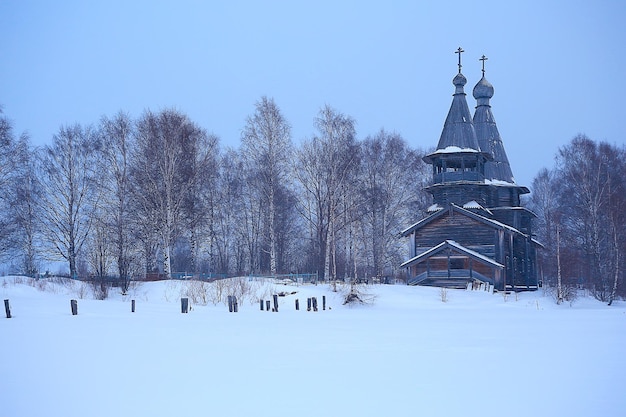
x: 616, y: 275
x: 272, y: 233
x: 559, y: 287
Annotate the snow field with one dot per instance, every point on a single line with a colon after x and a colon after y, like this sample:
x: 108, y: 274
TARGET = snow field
x: 406, y: 354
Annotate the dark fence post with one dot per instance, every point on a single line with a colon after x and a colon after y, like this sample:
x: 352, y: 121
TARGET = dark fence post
x: 74, y: 306
x: 297, y: 304
x: 232, y: 304
x: 308, y: 304
x: 275, y: 302
x: 132, y: 306
x: 261, y: 302
x: 314, y: 299
x: 184, y: 305
x: 7, y: 308
x: 267, y: 305
x: 323, y: 302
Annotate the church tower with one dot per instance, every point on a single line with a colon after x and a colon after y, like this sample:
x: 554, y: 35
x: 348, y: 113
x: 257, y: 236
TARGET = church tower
x: 504, y: 195
x: 476, y: 231
x: 458, y: 162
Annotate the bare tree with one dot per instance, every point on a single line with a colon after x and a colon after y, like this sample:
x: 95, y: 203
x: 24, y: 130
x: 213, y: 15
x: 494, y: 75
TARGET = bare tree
x: 616, y: 216
x: 581, y: 203
x: 226, y: 252
x: 171, y: 155
x: 24, y: 208
x: 99, y: 256
x: 249, y: 227
x: 390, y: 171
x: 9, y: 163
x: 67, y: 180
x: 325, y: 165
x: 266, y: 149
x: 116, y: 143
x: 544, y: 203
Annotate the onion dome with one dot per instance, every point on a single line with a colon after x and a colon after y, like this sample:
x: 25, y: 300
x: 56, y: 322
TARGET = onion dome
x: 483, y: 91
x: 459, y: 82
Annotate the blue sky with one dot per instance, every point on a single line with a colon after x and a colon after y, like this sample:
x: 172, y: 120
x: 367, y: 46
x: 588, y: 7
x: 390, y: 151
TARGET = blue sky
x: 557, y: 66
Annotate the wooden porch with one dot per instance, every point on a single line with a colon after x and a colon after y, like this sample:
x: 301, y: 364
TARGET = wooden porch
x: 452, y: 278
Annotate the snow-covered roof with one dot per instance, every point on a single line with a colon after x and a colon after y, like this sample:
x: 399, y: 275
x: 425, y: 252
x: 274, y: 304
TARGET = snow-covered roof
x: 500, y: 182
x: 472, y: 205
x: 435, y: 207
x: 455, y: 149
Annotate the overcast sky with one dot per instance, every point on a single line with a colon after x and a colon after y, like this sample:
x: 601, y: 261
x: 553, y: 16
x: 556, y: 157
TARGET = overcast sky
x: 557, y: 66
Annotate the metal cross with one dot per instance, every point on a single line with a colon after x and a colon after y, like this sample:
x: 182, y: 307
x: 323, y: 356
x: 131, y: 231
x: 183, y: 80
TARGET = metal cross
x: 459, y: 51
x: 484, y: 58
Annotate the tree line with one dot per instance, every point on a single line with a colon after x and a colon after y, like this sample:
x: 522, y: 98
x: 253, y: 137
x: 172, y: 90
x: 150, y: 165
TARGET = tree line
x: 158, y: 194
x: 581, y: 219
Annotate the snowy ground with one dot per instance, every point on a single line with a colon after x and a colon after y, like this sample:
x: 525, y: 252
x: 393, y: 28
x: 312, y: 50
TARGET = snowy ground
x: 407, y: 354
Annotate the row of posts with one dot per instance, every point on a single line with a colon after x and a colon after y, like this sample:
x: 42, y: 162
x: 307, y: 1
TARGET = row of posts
x: 233, y: 306
x: 73, y: 307
x: 311, y: 304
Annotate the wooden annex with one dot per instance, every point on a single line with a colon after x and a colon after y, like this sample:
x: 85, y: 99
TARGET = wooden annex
x: 476, y: 229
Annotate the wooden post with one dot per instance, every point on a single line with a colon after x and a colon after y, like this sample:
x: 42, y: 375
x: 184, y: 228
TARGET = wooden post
x: 232, y: 304
x: 297, y: 304
x: 184, y: 305
x: 308, y: 304
x: 323, y: 302
x: 267, y: 305
x: 261, y: 302
x: 74, y: 306
x: 7, y: 308
x: 132, y: 306
x: 275, y: 302
x: 314, y: 300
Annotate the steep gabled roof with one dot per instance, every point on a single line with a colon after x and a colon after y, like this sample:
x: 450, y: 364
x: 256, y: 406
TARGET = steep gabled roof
x: 451, y: 244
x: 453, y: 207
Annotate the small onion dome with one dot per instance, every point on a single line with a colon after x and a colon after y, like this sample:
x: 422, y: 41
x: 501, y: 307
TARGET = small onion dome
x: 483, y: 90
x: 459, y: 81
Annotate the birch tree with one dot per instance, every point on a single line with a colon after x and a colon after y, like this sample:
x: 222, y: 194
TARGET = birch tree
x: 325, y: 165
x: 67, y: 179
x: 616, y: 216
x: 9, y: 162
x: 116, y: 136
x: 389, y: 173
x: 544, y: 203
x: 19, y: 199
x: 226, y: 252
x: 266, y: 150
x: 24, y: 208
x: 583, y: 200
x: 171, y: 155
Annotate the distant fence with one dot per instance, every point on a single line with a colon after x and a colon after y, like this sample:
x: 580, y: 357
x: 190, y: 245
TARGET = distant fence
x: 288, y: 278
x: 154, y: 276
x: 208, y: 277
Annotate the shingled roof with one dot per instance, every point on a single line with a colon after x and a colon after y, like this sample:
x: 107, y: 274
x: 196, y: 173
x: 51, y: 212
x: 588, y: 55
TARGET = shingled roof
x: 458, y: 129
x: 488, y: 136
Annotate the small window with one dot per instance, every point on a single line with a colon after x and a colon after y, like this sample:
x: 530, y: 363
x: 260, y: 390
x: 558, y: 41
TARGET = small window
x: 456, y: 263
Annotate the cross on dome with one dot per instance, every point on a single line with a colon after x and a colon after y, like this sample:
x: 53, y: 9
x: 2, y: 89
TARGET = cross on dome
x: 459, y: 51
x: 483, y: 58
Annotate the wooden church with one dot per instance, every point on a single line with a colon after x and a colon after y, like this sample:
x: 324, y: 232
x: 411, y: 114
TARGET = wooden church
x: 476, y: 230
